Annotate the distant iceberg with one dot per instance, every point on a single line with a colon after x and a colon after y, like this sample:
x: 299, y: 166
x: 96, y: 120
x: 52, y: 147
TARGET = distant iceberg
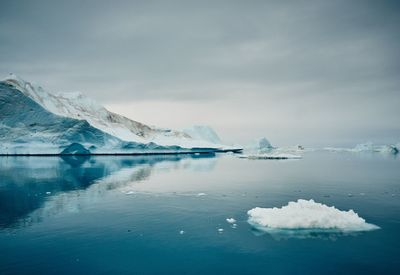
x: 256, y: 145
x: 307, y: 215
x: 202, y: 132
x: 261, y: 148
x: 369, y: 147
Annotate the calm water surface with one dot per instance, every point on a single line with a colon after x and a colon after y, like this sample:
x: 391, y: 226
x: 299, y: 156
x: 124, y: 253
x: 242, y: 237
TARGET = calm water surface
x: 103, y: 215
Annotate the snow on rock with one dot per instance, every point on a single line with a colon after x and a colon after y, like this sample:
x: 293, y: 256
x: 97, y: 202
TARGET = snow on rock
x: 307, y: 214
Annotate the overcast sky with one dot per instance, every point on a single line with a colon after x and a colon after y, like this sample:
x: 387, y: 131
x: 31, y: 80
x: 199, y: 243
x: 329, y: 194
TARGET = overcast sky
x: 308, y: 72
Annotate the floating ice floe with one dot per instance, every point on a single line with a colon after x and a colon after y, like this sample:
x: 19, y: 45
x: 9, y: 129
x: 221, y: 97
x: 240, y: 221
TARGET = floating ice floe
x: 307, y: 215
x: 231, y: 220
x: 201, y: 194
x: 368, y: 147
x: 271, y: 156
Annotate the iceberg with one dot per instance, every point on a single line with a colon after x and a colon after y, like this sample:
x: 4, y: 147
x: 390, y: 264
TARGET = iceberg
x: 204, y: 133
x: 307, y: 215
x: 35, y: 121
x: 262, y: 149
x: 260, y: 144
x: 368, y: 147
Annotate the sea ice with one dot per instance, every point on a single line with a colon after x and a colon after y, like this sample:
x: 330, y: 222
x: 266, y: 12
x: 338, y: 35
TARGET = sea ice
x: 368, y: 147
x: 307, y: 214
x: 271, y: 156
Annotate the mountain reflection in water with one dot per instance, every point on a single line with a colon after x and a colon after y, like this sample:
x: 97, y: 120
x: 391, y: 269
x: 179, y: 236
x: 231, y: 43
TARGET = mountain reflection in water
x: 33, y: 187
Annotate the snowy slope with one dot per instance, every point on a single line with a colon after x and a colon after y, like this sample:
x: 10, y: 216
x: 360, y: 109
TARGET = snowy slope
x: 76, y: 105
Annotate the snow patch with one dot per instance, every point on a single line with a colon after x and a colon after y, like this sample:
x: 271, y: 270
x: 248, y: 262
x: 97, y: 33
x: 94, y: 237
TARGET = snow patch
x: 307, y: 214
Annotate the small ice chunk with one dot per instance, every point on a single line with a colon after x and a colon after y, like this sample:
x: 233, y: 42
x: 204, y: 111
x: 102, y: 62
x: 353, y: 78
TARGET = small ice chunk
x: 230, y: 220
x: 48, y: 193
x: 130, y: 193
x: 277, y: 156
x: 307, y: 214
x: 181, y: 232
x: 234, y: 225
x: 201, y: 194
x: 220, y: 230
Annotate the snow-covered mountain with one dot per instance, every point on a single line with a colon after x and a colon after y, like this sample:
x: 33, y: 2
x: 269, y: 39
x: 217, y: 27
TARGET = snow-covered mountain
x: 33, y: 120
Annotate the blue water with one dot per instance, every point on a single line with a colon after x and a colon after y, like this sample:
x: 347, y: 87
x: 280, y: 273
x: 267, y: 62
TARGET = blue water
x: 107, y: 215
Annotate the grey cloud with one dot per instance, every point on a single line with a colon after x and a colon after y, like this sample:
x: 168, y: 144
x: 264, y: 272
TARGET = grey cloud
x: 297, y: 54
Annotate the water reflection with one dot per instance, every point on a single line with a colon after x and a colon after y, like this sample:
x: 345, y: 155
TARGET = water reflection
x: 323, y: 234
x: 34, y: 187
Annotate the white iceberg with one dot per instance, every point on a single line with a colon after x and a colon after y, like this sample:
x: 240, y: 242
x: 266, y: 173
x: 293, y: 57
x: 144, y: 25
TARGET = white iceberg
x: 204, y: 133
x: 262, y: 149
x: 369, y: 147
x: 76, y: 108
x: 307, y: 215
x: 260, y: 144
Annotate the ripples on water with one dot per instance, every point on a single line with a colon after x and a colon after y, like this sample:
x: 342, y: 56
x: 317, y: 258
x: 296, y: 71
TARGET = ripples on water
x: 127, y: 214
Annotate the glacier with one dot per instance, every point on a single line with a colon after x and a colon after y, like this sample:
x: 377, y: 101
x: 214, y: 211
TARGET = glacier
x: 35, y: 121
